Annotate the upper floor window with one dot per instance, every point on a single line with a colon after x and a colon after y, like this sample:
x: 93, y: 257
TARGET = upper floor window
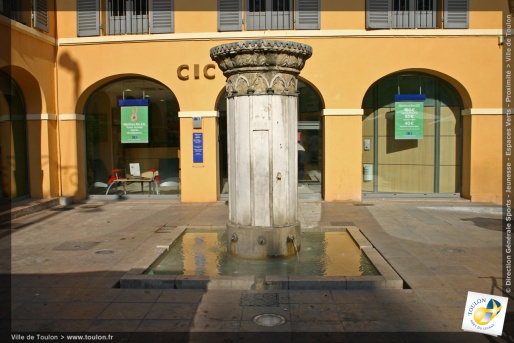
x: 125, y: 16
x: 414, y: 13
x: 382, y: 14
x: 25, y: 12
x: 268, y: 14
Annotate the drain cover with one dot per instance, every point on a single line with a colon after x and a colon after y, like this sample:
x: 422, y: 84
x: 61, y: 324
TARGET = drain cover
x: 269, y: 319
x: 363, y: 204
x: 259, y: 299
x: 73, y: 246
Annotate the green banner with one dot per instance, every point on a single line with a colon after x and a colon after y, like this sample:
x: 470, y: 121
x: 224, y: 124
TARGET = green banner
x: 134, y: 124
x: 408, y: 120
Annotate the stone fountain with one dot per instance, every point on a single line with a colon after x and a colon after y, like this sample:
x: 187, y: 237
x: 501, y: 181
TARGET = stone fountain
x: 262, y: 103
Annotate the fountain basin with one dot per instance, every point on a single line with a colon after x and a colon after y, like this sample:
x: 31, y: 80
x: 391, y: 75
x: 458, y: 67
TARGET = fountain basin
x: 377, y: 274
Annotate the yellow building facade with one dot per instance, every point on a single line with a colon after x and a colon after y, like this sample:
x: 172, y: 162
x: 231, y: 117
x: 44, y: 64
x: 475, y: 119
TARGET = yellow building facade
x: 66, y: 71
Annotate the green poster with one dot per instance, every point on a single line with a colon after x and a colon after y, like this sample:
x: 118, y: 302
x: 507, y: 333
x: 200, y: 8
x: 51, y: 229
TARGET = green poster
x: 408, y: 120
x: 134, y: 124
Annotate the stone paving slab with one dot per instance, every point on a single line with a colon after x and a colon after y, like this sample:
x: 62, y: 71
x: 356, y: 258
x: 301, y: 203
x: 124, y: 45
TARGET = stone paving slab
x: 78, y: 291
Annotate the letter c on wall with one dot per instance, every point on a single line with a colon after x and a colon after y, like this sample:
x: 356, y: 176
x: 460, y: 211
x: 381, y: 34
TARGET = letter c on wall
x: 205, y: 71
x: 181, y: 68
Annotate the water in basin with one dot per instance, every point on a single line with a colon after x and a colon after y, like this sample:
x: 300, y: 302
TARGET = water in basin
x: 200, y: 252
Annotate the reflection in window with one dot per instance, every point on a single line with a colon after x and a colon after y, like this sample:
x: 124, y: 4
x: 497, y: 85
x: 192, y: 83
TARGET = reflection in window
x: 419, y: 5
x: 117, y: 7
x: 431, y: 164
x: 257, y: 5
x: 105, y: 152
x: 401, y: 5
x: 425, y: 5
x: 281, y: 5
x: 310, y: 142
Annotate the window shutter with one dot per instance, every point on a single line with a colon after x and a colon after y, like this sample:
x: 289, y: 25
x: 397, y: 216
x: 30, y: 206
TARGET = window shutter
x: 88, y: 18
x: 41, y: 14
x: 456, y: 14
x: 307, y: 15
x: 378, y: 14
x: 229, y: 15
x: 162, y: 16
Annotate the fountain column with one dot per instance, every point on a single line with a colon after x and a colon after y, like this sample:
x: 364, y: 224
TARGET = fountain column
x: 262, y: 111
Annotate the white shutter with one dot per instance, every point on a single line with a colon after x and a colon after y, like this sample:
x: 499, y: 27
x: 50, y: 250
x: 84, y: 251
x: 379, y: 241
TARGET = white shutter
x: 456, y: 14
x: 307, y: 14
x: 229, y: 15
x: 378, y: 14
x: 162, y: 16
x: 41, y: 14
x: 88, y: 18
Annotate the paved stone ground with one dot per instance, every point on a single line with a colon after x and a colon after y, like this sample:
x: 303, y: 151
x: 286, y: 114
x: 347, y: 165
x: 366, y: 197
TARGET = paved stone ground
x: 65, y: 266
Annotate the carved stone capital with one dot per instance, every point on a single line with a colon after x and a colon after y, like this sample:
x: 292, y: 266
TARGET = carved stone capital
x: 261, y: 83
x: 261, y: 66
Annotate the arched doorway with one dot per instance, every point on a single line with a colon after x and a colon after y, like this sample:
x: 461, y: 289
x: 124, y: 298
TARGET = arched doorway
x: 110, y: 145
x: 14, y: 179
x: 310, y: 142
x: 396, y: 164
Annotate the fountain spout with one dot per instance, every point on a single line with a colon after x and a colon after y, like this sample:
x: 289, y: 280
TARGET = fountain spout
x: 291, y: 240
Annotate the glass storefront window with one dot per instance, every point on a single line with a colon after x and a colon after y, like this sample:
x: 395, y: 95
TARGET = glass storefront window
x: 310, y: 141
x: 14, y: 180
x: 106, y: 152
x: 430, y: 164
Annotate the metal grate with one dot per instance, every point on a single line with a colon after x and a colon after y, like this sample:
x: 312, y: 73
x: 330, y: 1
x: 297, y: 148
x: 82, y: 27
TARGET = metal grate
x: 363, y: 204
x: 75, y: 246
x: 259, y: 299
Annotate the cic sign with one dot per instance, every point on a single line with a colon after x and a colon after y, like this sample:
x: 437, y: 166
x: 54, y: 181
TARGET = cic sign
x: 183, y: 71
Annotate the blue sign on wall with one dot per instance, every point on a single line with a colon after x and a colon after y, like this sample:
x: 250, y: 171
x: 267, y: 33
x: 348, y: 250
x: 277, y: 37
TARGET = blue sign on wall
x: 198, y: 147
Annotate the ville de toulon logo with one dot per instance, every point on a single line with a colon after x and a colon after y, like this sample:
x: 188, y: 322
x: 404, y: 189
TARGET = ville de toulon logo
x: 484, y: 315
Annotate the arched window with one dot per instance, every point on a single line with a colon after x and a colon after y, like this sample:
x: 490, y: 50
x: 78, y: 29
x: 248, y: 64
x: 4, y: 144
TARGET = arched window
x: 428, y: 163
x: 14, y: 180
x: 108, y: 147
x: 310, y: 142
